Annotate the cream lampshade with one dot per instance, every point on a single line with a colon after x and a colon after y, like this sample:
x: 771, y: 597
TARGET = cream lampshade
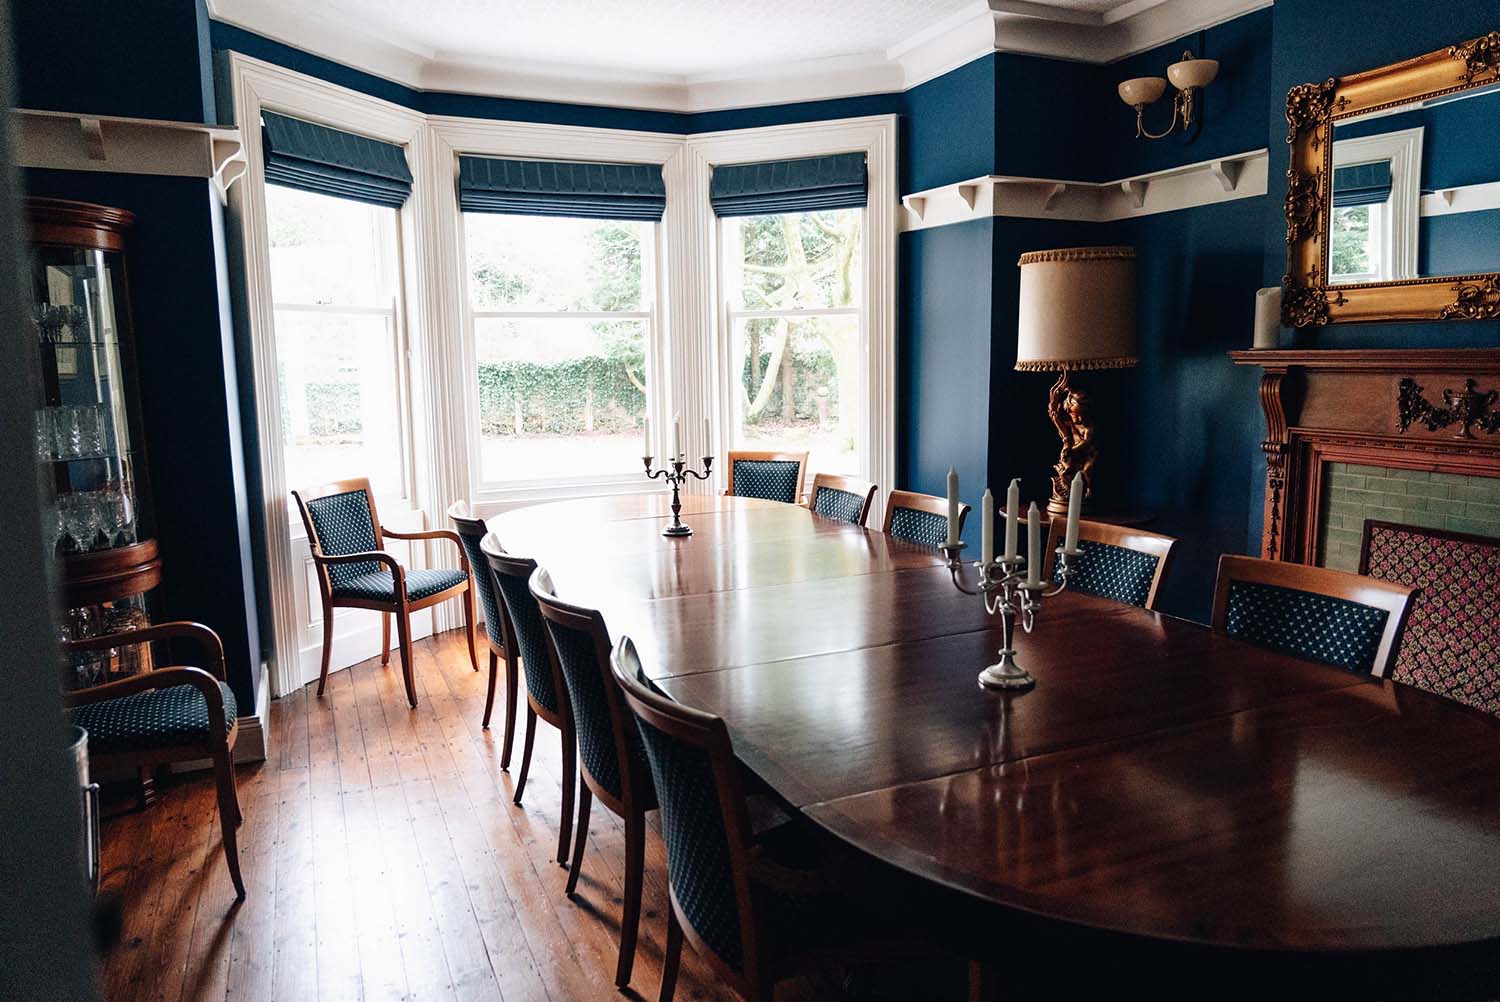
x: 1077, y: 311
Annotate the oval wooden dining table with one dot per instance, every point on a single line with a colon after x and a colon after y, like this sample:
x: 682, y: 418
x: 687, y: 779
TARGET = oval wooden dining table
x: 1167, y: 801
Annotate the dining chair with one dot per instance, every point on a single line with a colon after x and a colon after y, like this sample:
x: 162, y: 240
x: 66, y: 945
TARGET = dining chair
x: 1120, y: 563
x: 471, y: 532
x: 355, y: 572
x: 1451, y: 645
x: 1324, y: 615
x: 757, y: 918
x: 774, y: 476
x: 843, y: 498
x: 546, y: 698
x: 611, y: 762
x: 179, y: 713
x: 920, y: 518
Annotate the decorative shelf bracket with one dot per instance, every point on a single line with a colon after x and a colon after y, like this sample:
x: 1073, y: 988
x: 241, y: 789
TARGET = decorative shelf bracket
x: 916, y: 204
x: 1057, y: 191
x: 1136, y: 189
x: 1227, y: 172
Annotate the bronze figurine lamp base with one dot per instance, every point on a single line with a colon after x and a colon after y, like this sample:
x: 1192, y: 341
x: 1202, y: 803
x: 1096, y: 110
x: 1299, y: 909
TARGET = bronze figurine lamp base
x: 1077, y: 311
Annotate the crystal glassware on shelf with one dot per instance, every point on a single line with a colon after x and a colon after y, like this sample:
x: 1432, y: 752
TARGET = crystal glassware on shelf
x: 90, y: 430
x: 122, y: 511
x: 46, y: 440
x: 57, y: 526
x: 66, y: 433
x: 81, y: 511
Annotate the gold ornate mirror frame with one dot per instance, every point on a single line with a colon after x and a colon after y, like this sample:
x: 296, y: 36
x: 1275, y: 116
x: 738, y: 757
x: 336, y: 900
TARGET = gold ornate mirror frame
x: 1311, y: 111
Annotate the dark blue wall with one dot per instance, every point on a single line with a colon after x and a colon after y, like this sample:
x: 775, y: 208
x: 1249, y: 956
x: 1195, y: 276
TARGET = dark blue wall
x: 151, y: 61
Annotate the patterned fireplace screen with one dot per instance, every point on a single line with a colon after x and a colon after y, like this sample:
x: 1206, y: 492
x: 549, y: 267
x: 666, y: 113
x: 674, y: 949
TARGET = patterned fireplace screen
x: 1441, y: 534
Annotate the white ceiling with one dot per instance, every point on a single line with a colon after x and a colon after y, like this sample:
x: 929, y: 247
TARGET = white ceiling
x: 698, y: 54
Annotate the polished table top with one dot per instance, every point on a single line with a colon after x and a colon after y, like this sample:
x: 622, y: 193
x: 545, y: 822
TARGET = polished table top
x: 1160, y: 780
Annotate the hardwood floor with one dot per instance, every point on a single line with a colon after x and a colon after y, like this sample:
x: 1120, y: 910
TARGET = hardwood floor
x: 383, y: 859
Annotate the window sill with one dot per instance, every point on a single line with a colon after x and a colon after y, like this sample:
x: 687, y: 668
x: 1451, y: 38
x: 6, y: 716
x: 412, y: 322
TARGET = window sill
x: 492, y: 499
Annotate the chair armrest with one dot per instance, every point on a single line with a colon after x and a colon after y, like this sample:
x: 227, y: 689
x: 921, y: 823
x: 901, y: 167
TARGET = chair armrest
x: 447, y: 534
x: 162, y: 678
x: 207, y: 639
x: 364, y: 556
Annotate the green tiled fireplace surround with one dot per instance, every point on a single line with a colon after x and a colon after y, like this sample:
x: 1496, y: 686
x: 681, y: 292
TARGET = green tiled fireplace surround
x: 1412, y: 497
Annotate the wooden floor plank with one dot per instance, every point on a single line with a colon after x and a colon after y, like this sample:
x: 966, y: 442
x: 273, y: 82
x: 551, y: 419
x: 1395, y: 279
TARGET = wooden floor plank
x: 384, y: 860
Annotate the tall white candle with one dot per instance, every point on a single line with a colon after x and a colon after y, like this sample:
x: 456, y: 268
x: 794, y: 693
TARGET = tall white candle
x: 1012, y: 512
x: 708, y: 438
x: 952, y: 506
x: 1075, y: 508
x: 1034, y: 558
x: 676, y: 436
x: 646, y: 438
x: 987, y: 530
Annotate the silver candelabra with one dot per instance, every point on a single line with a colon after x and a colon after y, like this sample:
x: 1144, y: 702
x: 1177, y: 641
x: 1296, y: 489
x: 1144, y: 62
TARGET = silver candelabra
x: 1002, y: 585
x: 676, y: 474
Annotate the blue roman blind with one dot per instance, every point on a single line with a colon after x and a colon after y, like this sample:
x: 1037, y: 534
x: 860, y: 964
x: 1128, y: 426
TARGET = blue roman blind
x: 561, y: 188
x: 1362, y: 184
x: 810, y: 185
x: 330, y: 162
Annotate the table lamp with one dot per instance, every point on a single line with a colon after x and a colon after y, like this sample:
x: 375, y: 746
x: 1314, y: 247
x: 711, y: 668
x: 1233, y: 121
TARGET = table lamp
x: 1077, y: 311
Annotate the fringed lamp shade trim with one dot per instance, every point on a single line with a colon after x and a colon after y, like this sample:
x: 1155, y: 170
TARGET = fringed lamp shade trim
x: 1053, y: 365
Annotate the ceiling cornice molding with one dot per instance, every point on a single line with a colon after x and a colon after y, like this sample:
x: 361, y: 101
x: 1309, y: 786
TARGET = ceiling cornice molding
x: 986, y: 26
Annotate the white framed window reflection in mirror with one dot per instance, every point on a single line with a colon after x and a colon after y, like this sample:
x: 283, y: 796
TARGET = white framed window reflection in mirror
x: 1376, y: 240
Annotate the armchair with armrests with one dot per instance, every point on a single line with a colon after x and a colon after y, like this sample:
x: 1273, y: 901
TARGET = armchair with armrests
x: 174, y: 714
x: 355, y: 572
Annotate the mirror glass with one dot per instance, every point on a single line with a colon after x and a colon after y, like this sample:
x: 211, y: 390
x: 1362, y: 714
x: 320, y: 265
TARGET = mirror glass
x: 1416, y: 190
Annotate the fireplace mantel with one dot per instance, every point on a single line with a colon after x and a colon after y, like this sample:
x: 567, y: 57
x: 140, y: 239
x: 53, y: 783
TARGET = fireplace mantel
x: 1426, y: 409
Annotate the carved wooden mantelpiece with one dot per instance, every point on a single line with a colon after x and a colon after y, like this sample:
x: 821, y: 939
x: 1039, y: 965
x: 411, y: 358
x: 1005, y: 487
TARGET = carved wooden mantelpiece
x: 1357, y: 406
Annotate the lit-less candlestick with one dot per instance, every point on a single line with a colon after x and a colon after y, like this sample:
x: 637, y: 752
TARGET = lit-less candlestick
x: 677, y: 437
x: 987, y: 530
x: 645, y: 438
x: 1075, y: 508
x: 1034, y: 556
x: 952, y: 506
x: 1012, y: 510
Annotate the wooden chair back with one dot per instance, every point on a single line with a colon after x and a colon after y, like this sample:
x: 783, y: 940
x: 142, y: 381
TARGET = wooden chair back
x: 307, y: 499
x: 580, y: 650
x: 1143, y: 591
x: 471, y: 532
x: 848, y: 498
x: 921, y: 505
x: 523, y: 625
x: 704, y: 818
x: 1347, y: 592
x: 768, y: 456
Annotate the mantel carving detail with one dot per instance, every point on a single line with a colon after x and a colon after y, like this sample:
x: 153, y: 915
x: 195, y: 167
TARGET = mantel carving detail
x: 1468, y: 408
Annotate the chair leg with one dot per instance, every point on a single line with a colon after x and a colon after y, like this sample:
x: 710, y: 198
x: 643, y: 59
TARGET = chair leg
x: 671, y: 956
x: 385, y: 639
x: 526, y: 752
x: 489, y: 700
x: 630, y: 917
x: 229, y: 817
x: 403, y: 634
x: 569, y: 775
x: 327, y: 645
x: 580, y: 837
x: 512, y: 685
x: 469, y: 624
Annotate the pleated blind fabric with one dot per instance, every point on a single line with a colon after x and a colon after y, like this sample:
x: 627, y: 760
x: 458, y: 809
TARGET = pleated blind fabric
x: 561, y: 188
x: 1362, y: 184
x: 328, y: 161
x: 813, y: 184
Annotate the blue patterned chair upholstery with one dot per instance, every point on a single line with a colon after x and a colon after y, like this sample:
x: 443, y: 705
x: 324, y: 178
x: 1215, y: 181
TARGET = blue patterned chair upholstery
x: 1344, y: 620
x: 772, y: 479
x: 545, y: 699
x: 843, y: 499
x: 161, y: 715
x: 1113, y: 572
x: 471, y: 533
x: 347, y: 542
x: 920, y: 518
x: 612, y: 761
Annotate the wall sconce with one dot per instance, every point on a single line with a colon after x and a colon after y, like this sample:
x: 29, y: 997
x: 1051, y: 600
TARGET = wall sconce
x: 1188, y: 75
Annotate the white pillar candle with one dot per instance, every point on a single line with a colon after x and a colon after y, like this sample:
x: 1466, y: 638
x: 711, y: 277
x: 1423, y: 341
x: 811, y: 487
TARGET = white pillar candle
x: 1075, y: 508
x: 677, y: 436
x: 1034, y: 557
x: 952, y: 506
x: 1012, y: 512
x: 987, y: 530
x: 708, y: 438
x: 646, y: 438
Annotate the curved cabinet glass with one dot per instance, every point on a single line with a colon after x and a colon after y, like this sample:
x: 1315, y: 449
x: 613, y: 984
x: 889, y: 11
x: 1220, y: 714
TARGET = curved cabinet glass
x: 87, y: 429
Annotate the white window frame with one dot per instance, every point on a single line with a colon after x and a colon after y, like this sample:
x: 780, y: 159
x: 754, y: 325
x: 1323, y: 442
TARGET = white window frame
x: 1398, y: 223
x: 875, y: 136
x: 259, y: 86
x: 583, y: 483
